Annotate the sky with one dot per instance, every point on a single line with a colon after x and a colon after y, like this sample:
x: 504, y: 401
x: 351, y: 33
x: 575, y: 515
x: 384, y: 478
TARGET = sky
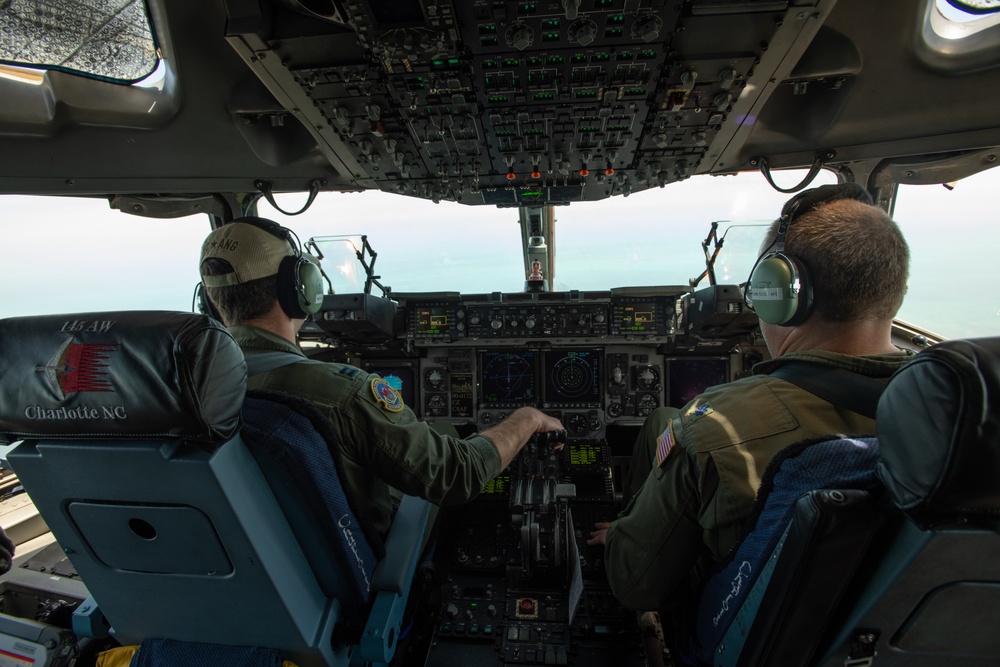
x: 71, y: 255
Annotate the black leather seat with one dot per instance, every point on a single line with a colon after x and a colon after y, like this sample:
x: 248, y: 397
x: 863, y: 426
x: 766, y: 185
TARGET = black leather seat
x: 191, y: 514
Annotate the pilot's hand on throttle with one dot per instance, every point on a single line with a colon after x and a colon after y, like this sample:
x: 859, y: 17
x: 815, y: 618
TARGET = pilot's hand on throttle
x: 551, y: 424
x: 599, y: 534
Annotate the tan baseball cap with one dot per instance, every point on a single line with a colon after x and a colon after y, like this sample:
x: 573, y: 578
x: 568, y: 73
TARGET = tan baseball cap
x: 253, y: 253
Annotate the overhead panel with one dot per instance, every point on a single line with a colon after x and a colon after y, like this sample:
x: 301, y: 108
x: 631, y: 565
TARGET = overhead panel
x: 515, y: 103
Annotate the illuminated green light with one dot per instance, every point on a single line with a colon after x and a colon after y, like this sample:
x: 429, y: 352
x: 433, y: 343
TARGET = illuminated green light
x: 635, y: 91
x: 618, y: 18
x: 556, y: 60
x: 498, y: 98
x: 586, y: 93
x: 544, y: 96
x: 600, y: 57
x: 530, y: 193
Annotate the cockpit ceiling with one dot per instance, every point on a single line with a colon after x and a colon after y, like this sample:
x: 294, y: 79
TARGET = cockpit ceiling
x: 505, y: 102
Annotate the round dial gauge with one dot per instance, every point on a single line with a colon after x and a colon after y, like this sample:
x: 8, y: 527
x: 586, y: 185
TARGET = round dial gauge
x: 435, y: 380
x: 647, y: 378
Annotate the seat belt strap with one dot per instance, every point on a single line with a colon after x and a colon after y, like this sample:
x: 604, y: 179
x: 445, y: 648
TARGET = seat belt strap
x: 839, y: 386
x: 262, y: 362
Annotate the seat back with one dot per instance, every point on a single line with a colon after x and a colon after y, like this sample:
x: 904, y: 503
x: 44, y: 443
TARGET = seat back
x: 814, y: 493
x: 928, y: 591
x: 132, y: 451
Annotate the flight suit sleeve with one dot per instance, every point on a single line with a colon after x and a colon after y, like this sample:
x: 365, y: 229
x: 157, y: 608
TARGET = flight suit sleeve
x: 652, y: 547
x: 409, y: 455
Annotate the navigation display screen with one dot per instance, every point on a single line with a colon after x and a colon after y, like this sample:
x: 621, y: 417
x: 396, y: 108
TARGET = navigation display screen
x: 686, y: 378
x: 507, y: 378
x: 571, y: 377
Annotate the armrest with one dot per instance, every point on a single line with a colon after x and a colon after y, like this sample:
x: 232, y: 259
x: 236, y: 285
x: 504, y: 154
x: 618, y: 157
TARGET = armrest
x: 402, y: 546
x: 392, y: 580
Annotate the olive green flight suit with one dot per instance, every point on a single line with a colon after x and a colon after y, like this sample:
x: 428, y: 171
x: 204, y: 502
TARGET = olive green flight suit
x: 689, y: 512
x: 383, y: 443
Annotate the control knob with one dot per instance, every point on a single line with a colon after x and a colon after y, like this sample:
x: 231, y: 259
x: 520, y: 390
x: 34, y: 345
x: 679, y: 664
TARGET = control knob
x: 529, y: 323
x: 496, y: 324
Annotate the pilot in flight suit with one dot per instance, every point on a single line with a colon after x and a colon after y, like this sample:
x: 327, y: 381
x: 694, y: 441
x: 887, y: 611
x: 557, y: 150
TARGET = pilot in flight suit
x: 256, y: 277
x: 705, y: 477
x: 705, y: 464
x: 383, y: 443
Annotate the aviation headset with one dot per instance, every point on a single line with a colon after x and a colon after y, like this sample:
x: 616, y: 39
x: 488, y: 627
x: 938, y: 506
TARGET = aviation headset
x: 300, y: 280
x: 780, y: 290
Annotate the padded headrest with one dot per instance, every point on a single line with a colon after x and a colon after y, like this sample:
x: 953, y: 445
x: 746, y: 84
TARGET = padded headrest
x: 939, y: 434
x: 127, y: 374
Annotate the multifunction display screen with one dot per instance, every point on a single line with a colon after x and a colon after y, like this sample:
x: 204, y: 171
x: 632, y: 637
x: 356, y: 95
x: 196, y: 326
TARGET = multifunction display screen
x: 686, y: 378
x: 507, y: 378
x: 434, y: 320
x: 571, y: 378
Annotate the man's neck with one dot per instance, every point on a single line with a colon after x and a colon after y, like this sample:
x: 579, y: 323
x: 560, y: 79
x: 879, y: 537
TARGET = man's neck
x: 278, y: 323
x: 863, y: 337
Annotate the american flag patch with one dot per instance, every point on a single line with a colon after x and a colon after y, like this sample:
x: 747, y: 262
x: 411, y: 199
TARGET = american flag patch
x: 664, y: 444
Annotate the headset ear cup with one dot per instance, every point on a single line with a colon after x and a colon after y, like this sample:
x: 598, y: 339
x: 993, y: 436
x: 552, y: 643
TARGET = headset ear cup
x: 311, y: 283
x: 300, y: 287
x: 288, y: 287
x: 771, y: 289
x: 804, y: 302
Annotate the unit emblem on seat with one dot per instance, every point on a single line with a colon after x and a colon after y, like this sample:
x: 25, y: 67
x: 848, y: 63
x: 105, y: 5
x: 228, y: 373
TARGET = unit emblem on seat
x: 386, y: 395
x: 78, y: 367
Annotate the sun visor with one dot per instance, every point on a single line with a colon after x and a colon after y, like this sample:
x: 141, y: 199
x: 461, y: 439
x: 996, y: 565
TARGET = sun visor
x: 120, y: 374
x: 939, y: 434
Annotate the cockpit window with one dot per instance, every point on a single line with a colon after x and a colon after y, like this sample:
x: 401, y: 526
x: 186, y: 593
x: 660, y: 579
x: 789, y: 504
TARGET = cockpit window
x: 106, y: 39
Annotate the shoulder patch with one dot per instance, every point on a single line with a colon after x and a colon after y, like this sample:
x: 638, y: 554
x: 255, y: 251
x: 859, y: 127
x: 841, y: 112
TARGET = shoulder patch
x: 664, y: 444
x: 386, y: 395
x: 699, y: 412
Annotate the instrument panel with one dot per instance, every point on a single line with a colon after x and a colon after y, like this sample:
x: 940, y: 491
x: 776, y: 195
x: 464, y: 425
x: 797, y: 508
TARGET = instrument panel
x: 590, y: 359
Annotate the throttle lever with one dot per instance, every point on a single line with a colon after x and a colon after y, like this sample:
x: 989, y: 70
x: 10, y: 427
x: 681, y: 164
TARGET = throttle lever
x: 549, y: 437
